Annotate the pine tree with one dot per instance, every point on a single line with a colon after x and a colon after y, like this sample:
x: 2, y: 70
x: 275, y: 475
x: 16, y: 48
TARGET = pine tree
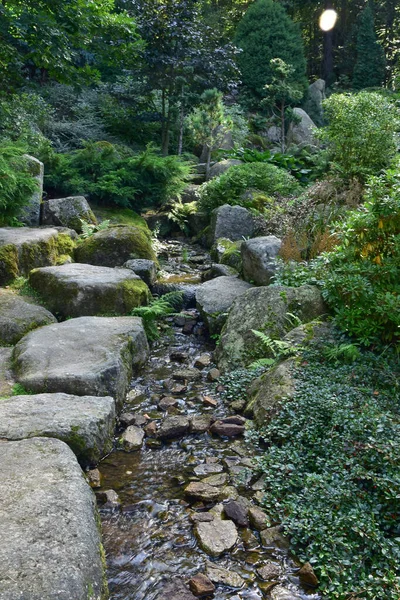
x: 266, y: 32
x: 369, y: 70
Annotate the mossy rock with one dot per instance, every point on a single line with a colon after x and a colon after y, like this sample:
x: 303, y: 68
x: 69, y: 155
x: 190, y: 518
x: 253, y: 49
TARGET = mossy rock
x: 75, y: 290
x: 113, y: 246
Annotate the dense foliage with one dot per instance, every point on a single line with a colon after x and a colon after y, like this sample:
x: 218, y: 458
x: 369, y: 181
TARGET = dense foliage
x: 263, y: 179
x: 109, y: 174
x: 331, y: 466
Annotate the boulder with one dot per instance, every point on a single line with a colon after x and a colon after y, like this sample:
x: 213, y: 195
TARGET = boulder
x: 92, y: 356
x: 50, y: 545
x: 30, y: 213
x: 259, y: 256
x: 223, y: 166
x: 68, y: 212
x: 264, y: 308
x: 132, y: 438
x: 23, y: 249
x: 18, y: 317
x: 232, y: 222
x: 222, y: 576
x: 113, y: 246
x: 268, y: 391
x: 85, y: 423
x: 215, y: 297
x: 76, y: 290
x: 217, y: 536
x: 302, y: 132
x: 173, y: 427
x: 146, y: 269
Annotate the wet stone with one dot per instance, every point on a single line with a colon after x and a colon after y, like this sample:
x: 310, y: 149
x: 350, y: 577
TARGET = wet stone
x: 132, y: 438
x: 222, y: 576
x: 201, y: 585
x: 269, y: 571
x: 173, y: 427
x: 206, y: 469
x: 237, y: 511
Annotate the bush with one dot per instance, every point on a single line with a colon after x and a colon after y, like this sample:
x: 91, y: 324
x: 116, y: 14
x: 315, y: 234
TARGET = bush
x: 330, y: 460
x: 16, y: 183
x: 111, y: 174
x: 230, y: 187
x: 361, y: 133
x: 360, y: 277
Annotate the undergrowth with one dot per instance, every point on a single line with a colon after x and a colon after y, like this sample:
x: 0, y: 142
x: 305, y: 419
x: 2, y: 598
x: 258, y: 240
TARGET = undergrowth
x: 331, y: 462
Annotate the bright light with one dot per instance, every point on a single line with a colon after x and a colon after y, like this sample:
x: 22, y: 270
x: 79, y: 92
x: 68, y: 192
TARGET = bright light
x: 328, y: 20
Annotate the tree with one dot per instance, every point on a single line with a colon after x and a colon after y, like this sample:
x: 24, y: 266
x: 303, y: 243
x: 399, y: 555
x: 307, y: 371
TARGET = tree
x: 207, y: 122
x: 281, y: 93
x: 266, y: 32
x: 369, y: 70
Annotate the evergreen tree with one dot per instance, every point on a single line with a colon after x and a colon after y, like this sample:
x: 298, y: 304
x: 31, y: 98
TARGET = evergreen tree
x: 266, y: 32
x: 369, y: 70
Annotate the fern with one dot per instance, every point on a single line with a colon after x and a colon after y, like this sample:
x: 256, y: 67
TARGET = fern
x: 156, y: 310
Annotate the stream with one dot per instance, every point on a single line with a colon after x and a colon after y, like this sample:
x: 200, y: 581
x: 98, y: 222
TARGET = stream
x: 149, y: 540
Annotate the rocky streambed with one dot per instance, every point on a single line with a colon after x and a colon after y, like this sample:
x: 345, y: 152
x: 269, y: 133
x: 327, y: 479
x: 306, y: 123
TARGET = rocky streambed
x: 179, y: 502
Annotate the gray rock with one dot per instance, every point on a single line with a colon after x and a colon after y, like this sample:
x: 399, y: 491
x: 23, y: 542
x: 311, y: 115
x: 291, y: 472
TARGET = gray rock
x: 217, y: 536
x: 173, y: 427
x: 132, y: 438
x: 259, y: 259
x: 268, y: 391
x: 223, y: 166
x: 68, y: 212
x: 23, y: 249
x: 76, y: 290
x: 113, y: 246
x: 18, y: 317
x: 264, y: 308
x: 214, y: 299
x: 85, y: 423
x: 222, y: 576
x: 232, y: 222
x: 146, y: 269
x: 273, y: 537
x: 302, y: 133
x: 30, y: 213
x: 50, y: 544
x: 281, y: 593
x: 92, y: 356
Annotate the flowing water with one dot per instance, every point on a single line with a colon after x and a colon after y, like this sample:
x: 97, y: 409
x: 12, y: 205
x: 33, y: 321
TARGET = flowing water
x: 150, y: 540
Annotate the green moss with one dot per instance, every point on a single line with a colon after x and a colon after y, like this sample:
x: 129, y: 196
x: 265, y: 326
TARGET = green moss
x: 8, y: 263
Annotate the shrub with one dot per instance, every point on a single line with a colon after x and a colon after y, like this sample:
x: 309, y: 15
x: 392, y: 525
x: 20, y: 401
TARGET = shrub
x: 230, y: 187
x: 361, y: 133
x: 112, y: 174
x: 330, y: 460
x: 16, y: 183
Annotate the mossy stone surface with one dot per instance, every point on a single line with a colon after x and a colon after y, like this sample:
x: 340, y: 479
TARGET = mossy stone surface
x: 112, y: 247
x: 75, y: 290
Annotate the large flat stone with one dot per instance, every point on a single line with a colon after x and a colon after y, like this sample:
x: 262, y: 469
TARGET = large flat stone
x: 88, y: 356
x: 50, y: 544
x: 25, y: 248
x: 18, y: 317
x: 75, y: 290
x: 85, y: 423
x: 214, y: 299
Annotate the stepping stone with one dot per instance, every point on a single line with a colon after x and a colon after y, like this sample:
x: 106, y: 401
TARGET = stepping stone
x: 85, y: 423
x: 217, y: 536
x: 50, y: 545
x: 23, y: 249
x: 18, y: 317
x: 75, y: 290
x: 89, y: 356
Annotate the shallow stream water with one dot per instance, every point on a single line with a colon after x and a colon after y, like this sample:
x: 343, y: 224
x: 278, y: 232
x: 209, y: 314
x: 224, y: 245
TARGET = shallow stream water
x: 150, y: 540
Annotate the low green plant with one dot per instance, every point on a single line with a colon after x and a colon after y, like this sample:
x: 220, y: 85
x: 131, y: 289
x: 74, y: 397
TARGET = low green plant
x: 157, y: 309
x: 330, y: 460
x: 231, y: 186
